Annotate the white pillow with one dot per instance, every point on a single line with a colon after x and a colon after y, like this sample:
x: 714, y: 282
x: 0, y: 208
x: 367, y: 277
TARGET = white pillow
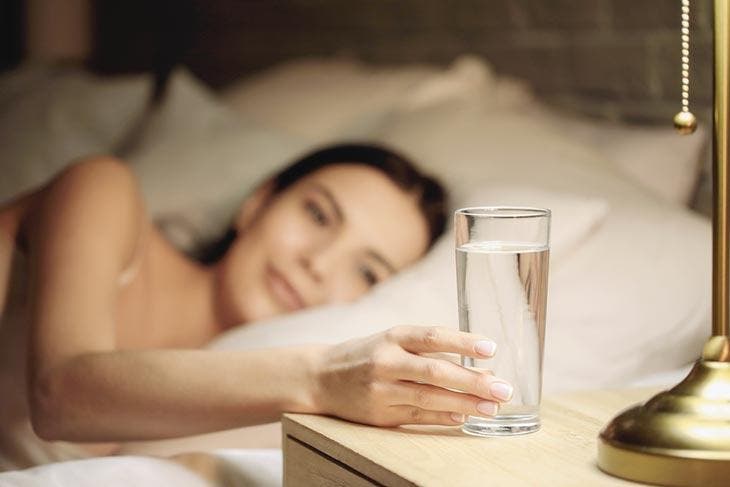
x: 51, y: 116
x: 660, y: 160
x: 317, y: 98
x: 335, y: 98
x: 198, y: 159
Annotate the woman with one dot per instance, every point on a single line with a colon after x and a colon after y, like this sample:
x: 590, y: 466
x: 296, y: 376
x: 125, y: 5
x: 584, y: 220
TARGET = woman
x: 115, y: 313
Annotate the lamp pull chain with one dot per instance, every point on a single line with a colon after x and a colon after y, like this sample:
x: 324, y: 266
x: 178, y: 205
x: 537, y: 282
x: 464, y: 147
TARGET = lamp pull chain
x: 685, y: 122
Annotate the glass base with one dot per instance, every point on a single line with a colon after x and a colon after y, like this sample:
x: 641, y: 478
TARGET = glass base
x: 508, y: 425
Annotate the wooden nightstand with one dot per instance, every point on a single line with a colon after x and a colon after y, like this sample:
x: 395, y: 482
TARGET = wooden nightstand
x: 324, y: 451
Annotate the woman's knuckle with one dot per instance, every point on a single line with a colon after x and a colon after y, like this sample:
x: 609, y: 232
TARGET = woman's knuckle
x: 373, y: 371
x: 380, y: 363
x: 370, y: 399
x: 431, y: 337
x: 475, y: 385
x: 422, y: 398
x: 431, y: 370
x: 415, y: 414
x: 370, y: 388
x: 393, y: 334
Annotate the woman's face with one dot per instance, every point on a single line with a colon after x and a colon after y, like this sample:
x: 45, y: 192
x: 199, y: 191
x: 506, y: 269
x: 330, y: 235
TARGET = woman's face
x: 327, y: 238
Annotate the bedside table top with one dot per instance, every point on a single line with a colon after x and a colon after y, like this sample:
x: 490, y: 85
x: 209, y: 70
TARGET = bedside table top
x: 562, y: 453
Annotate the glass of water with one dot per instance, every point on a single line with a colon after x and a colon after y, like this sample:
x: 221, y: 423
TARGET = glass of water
x: 502, y: 256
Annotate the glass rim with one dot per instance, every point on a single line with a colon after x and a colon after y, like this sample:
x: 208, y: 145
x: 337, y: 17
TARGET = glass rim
x: 494, y: 212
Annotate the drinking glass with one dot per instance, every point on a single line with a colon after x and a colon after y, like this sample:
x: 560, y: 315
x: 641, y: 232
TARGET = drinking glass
x: 502, y: 256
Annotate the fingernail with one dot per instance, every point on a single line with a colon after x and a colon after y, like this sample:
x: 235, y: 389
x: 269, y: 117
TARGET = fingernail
x: 501, y: 390
x: 485, y: 347
x: 458, y: 418
x: 488, y: 408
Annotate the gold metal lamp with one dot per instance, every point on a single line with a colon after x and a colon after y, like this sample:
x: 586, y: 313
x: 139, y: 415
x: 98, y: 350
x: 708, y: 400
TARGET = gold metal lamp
x: 681, y: 437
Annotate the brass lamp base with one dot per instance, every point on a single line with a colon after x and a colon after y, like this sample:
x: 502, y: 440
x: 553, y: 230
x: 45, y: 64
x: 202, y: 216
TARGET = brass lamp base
x: 680, y: 437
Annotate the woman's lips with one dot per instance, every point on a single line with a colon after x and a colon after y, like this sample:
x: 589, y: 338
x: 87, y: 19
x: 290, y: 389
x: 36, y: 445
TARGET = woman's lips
x: 282, y: 290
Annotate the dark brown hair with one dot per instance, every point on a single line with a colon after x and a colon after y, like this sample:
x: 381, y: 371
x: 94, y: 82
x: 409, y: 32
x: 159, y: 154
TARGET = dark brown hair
x: 432, y: 197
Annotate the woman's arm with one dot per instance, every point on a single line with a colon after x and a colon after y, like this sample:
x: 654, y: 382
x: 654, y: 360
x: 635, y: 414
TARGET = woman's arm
x: 82, y: 232
x: 154, y: 394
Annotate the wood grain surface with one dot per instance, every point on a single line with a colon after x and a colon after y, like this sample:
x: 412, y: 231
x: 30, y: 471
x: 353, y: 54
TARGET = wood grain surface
x: 562, y: 453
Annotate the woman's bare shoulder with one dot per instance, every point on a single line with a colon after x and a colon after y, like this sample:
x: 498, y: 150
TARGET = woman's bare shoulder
x: 101, y: 177
x: 95, y: 175
x: 99, y: 193
x: 92, y: 210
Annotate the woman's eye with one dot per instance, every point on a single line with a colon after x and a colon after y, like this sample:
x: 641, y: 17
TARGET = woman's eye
x: 368, y: 276
x: 315, y: 212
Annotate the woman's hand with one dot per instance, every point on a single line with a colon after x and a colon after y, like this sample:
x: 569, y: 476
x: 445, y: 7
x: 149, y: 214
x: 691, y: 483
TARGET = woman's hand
x: 383, y: 380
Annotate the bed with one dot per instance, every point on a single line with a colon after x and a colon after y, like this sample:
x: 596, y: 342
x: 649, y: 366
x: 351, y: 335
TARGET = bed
x: 630, y: 265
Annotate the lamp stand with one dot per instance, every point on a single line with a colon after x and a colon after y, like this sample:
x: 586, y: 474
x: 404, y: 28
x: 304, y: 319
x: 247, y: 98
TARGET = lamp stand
x: 681, y: 437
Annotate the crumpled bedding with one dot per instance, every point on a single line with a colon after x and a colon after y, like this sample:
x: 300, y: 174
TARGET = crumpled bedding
x: 233, y: 467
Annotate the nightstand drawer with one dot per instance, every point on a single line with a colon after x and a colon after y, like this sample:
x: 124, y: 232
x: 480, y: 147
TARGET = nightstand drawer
x: 305, y: 466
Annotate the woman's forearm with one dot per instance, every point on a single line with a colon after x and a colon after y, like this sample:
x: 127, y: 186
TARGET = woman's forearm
x: 138, y: 395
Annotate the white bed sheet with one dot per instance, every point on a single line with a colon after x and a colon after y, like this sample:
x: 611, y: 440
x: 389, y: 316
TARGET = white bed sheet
x: 129, y: 471
x: 253, y: 467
